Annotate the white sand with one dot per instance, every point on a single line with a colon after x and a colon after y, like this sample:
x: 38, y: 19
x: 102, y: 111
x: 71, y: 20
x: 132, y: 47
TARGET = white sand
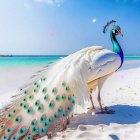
x: 121, y: 92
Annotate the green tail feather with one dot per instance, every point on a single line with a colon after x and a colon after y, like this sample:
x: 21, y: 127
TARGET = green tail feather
x: 29, y: 117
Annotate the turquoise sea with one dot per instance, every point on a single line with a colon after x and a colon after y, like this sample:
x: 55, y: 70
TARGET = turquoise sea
x: 38, y: 60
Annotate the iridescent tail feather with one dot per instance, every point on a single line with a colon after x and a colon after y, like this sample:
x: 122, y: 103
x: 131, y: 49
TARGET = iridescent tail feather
x: 37, y: 112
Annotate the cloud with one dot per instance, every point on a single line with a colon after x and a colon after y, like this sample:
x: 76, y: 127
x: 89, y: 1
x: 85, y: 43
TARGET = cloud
x: 50, y: 2
x: 27, y: 5
x: 94, y: 20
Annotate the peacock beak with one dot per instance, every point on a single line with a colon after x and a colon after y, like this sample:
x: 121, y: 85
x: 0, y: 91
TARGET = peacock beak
x: 120, y: 34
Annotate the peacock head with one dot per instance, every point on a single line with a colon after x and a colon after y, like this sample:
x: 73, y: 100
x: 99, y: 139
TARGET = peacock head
x: 116, y: 30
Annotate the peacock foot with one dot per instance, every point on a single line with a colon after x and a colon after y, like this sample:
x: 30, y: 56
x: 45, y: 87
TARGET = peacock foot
x: 106, y: 111
x: 91, y: 108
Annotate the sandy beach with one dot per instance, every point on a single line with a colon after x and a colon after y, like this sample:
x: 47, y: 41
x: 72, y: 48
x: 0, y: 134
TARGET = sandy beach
x: 121, y: 93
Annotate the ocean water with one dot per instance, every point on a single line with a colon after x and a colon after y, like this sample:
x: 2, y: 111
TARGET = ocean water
x: 17, y: 61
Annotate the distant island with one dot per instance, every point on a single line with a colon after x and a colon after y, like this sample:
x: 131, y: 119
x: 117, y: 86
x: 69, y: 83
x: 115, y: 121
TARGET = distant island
x: 6, y: 55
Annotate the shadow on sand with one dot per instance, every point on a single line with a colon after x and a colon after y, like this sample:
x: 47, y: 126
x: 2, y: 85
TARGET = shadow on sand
x: 124, y: 114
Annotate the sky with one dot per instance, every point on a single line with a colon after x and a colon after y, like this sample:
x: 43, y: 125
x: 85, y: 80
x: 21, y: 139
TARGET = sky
x: 54, y: 27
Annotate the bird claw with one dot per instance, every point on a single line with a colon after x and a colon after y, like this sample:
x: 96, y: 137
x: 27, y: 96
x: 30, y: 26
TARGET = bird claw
x: 106, y: 111
x: 91, y: 108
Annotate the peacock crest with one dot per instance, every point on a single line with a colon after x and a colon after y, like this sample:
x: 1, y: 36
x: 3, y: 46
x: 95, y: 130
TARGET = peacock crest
x: 105, y: 28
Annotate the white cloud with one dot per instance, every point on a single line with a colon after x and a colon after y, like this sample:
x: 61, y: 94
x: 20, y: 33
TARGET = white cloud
x: 50, y: 1
x: 94, y: 20
x: 27, y: 5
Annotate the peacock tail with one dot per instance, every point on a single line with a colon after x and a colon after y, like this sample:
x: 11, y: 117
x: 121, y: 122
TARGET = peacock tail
x: 39, y: 111
x: 46, y: 106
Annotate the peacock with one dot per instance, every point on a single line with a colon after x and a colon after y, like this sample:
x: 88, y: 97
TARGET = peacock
x: 46, y: 106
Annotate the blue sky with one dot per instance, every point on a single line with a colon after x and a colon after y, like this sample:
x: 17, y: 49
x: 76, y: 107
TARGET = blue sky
x: 46, y: 27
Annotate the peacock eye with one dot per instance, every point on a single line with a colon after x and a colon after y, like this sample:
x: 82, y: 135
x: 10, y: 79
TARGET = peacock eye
x: 116, y: 31
x: 29, y: 137
x: 14, y: 138
x: 50, y: 120
x: 34, y: 130
x: 46, y: 124
x: 43, y: 118
x: 40, y: 107
x: 43, y: 131
x: 30, y: 110
x: 9, y: 130
x: 18, y: 119
x: 34, y: 122
x: 51, y: 104
x: 22, y: 131
x: 56, y: 116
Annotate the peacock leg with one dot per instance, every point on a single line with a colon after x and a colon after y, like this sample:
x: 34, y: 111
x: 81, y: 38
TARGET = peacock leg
x: 99, y: 100
x: 100, y: 84
x: 93, y: 107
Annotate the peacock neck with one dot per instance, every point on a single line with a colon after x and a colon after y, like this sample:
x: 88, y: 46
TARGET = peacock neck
x: 117, y: 48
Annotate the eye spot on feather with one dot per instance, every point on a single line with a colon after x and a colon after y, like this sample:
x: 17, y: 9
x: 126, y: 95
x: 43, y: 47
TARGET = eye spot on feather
x: 35, y: 83
x: 69, y: 98
x: 63, y: 97
x: 34, y: 130
x: 29, y: 137
x: 64, y: 114
x: 67, y: 88
x: 21, y: 104
x: 22, y: 131
x: 44, y: 90
x: 46, y: 97
x: 56, y: 116
x: 57, y: 98
x: 5, y: 137
x: 69, y: 108
x: 54, y: 90
x: 50, y: 120
x: 25, y: 99
x: 2, y: 126
x: 51, y: 104
x: 43, y: 79
x: 60, y: 110
x: 18, y: 119
x: 14, y: 111
x: 31, y: 97
x: 43, y: 131
x: 73, y: 101
x: 37, y: 103
x: 25, y: 106
x: 43, y: 119
x: 34, y: 122
x: 35, y: 90
x: 25, y: 92
x: 63, y: 84
x: 37, y: 86
x: 9, y: 116
x: 14, y: 138
x: 30, y: 110
x: 46, y: 124
x: 40, y: 108
x: 9, y: 131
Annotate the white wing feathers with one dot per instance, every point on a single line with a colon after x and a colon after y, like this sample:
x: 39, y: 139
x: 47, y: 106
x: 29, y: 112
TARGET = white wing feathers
x: 103, y: 63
